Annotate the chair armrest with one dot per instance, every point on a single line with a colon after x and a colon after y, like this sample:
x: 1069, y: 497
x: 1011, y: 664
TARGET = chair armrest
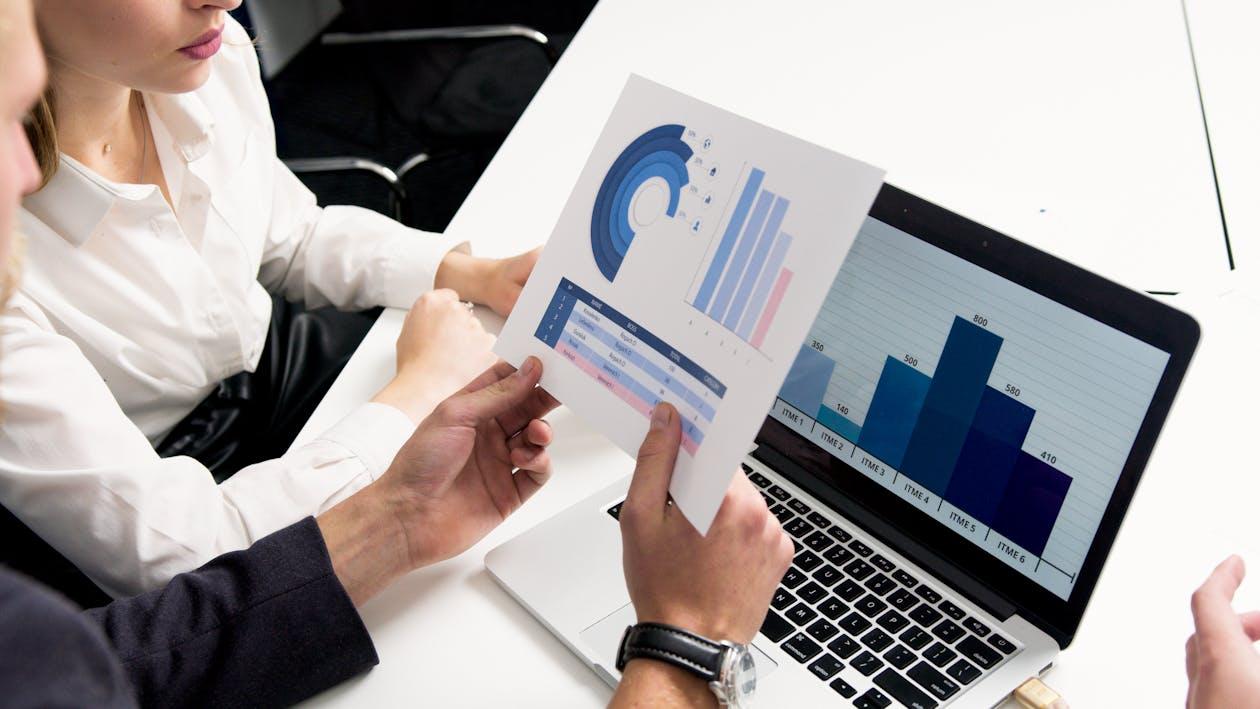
x: 445, y: 33
x: 398, y: 194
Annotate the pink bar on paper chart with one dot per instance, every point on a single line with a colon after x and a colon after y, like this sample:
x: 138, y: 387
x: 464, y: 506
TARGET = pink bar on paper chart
x: 689, y: 444
x: 619, y: 390
x: 772, y: 306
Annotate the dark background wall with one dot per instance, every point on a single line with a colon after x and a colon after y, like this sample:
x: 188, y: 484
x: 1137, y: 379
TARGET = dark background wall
x: 453, y: 100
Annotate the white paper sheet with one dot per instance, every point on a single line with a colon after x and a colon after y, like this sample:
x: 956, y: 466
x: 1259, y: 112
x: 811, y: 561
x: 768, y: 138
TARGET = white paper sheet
x: 687, y: 266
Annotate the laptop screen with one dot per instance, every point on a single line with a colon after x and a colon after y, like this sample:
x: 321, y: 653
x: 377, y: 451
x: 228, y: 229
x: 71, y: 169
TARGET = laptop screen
x: 1002, y: 415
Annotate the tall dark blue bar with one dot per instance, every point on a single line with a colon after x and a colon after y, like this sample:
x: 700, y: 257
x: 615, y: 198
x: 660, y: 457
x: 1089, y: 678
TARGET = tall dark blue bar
x: 899, y: 397
x: 957, y: 385
x: 989, y: 454
x: 1031, y: 503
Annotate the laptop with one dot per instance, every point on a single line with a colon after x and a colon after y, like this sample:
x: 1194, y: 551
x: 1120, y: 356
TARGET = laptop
x: 952, y: 453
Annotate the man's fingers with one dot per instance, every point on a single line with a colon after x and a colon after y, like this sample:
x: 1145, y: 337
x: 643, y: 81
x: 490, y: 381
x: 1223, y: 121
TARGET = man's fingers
x: 1214, y: 619
x: 531, y: 457
x: 536, y: 433
x: 473, y: 408
x: 539, y: 433
x: 655, y: 466
x: 741, y: 486
x: 539, y: 404
x: 530, y: 479
x: 498, y: 370
x: 1192, y: 658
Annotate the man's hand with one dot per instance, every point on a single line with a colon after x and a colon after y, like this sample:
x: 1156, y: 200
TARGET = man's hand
x: 469, y: 465
x: 1221, y: 661
x: 477, y: 458
x: 495, y: 283
x: 718, y: 585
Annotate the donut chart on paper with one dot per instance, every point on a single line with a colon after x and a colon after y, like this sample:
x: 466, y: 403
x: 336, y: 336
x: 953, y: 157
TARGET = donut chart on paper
x: 645, y: 181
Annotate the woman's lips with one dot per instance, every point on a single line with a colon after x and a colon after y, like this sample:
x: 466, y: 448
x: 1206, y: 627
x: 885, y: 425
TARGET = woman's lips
x: 205, y: 46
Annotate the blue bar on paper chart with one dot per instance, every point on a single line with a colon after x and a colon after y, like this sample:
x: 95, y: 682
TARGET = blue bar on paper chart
x: 988, y: 457
x: 837, y: 423
x: 807, y: 380
x: 744, y: 250
x: 898, y: 399
x: 727, y: 244
x: 957, y: 385
x: 768, y: 275
x: 1031, y: 504
x: 757, y: 264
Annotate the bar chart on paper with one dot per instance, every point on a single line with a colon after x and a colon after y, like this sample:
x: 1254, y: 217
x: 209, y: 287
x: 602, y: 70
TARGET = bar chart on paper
x: 742, y: 281
x: 1002, y: 415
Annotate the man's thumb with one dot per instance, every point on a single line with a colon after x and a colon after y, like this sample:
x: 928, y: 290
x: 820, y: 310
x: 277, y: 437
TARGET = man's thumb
x: 498, y: 396
x: 657, y: 455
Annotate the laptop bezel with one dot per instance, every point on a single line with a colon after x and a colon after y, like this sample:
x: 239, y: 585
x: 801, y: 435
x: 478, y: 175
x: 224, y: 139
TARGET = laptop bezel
x: 977, y: 574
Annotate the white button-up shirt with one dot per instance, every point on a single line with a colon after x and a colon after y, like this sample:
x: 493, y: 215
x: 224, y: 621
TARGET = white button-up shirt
x: 130, y: 312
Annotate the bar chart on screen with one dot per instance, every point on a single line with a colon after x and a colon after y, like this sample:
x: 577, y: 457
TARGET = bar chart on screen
x: 1005, y: 419
x: 742, y: 281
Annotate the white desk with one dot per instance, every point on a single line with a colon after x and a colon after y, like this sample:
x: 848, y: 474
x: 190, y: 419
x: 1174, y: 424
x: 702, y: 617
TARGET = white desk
x: 991, y: 114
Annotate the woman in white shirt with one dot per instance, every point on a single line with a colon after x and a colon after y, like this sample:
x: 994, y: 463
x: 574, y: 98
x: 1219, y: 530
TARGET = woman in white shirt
x: 164, y: 223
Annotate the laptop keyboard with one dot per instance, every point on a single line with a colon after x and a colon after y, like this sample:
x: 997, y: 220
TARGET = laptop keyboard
x: 842, y: 607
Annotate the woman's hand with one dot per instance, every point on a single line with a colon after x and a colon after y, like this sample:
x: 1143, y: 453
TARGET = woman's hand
x: 495, y: 283
x: 441, y: 348
x: 476, y: 459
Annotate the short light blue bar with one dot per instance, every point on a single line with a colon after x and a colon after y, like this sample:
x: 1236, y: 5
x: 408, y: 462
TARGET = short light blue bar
x: 833, y: 421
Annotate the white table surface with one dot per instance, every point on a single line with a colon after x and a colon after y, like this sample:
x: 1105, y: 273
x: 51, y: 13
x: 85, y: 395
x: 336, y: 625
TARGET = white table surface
x: 989, y: 113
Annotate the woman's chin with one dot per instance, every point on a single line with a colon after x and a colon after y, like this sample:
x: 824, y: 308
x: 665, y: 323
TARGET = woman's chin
x: 190, y: 78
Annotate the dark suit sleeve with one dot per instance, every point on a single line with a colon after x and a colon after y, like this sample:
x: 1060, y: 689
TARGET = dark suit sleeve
x: 267, y: 626
x: 50, y: 655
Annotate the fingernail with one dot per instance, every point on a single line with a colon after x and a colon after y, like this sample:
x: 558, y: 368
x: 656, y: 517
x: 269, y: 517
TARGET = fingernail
x: 528, y: 367
x: 660, y: 416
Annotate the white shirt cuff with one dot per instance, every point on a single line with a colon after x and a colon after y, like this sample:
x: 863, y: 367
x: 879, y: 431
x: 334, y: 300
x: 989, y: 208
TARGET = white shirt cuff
x: 373, y: 433
x: 412, y: 264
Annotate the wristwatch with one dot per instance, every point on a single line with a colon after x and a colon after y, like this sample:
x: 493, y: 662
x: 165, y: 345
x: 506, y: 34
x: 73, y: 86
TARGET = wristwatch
x: 728, y: 667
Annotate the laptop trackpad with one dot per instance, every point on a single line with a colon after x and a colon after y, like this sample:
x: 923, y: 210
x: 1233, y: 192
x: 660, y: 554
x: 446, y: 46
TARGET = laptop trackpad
x: 602, y: 638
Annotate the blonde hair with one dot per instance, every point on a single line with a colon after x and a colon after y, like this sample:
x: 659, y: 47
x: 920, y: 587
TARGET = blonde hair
x: 11, y: 274
x: 41, y: 130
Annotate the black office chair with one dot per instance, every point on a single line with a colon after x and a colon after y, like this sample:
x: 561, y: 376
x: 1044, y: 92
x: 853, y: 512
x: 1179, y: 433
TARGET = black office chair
x: 476, y: 104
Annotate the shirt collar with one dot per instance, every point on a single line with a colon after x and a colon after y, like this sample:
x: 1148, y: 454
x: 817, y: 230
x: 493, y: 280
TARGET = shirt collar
x: 76, y: 199
x: 188, y: 120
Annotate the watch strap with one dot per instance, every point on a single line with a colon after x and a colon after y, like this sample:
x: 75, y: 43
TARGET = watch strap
x: 673, y: 645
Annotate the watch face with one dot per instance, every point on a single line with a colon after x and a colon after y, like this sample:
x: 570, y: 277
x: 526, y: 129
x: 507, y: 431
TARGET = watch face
x: 745, y: 674
x: 739, y: 678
